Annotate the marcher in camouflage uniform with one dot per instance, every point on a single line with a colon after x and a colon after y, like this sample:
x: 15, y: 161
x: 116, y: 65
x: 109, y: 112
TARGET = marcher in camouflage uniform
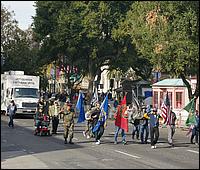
x: 68, y: 122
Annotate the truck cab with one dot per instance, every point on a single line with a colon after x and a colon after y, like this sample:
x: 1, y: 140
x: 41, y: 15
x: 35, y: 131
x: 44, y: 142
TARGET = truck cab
x: 23, y: 89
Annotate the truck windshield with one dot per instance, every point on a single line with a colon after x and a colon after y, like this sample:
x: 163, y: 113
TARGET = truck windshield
x: 26, y: 92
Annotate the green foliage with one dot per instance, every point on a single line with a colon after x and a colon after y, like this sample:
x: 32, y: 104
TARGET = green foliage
x: 166, y: 33
x: 17, y: 47
x: 82, y: 31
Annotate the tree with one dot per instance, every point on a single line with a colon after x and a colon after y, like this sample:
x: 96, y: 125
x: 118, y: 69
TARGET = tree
x: 17, y: 45
x: 166, y: 33
x: 82, y: 33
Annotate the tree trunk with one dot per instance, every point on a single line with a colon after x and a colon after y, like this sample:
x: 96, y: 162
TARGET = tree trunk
x: 190, y: 95
x: 91, y: 80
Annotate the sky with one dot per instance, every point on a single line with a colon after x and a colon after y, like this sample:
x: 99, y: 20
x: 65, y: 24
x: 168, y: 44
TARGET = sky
x: 24, y: 10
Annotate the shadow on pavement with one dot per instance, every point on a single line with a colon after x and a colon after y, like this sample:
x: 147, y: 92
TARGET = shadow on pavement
x: 19, y: 141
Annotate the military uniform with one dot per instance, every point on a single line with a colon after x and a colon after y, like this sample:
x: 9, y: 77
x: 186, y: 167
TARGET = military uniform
x: 68, y: 123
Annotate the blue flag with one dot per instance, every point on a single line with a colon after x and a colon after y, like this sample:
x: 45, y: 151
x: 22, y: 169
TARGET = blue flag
x: 104, y: 110
x: 80, y: 107
x: 103, y: 114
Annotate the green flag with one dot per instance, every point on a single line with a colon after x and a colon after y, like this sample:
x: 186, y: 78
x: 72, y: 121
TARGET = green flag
x: 190, y: 107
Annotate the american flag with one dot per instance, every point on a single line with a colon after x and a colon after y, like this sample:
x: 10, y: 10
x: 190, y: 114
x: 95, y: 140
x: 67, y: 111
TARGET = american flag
x: 165, y: 109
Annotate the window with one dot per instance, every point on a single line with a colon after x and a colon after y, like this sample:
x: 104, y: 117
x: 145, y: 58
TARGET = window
x: 161, y: 98
x: 26, y: 92
x: 155, y: 99
x: 179, y: 100
x: 170, y: 98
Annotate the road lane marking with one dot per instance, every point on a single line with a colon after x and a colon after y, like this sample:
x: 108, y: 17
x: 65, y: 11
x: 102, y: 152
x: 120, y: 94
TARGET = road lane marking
x: 193, y: 151
x: 127, y: 154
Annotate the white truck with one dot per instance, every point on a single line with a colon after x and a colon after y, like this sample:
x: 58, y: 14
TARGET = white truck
x: 23, y: 89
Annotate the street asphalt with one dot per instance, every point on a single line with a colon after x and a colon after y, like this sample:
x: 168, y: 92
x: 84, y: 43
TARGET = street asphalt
x: 20, y: 149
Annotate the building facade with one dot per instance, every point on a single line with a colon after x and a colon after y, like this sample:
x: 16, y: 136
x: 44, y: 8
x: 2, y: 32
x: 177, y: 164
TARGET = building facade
x: 178, y: 96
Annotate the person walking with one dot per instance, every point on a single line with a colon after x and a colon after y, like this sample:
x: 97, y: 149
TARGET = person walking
x: 97, y: 126
x: 170, y: 122
x: 144, y: 127
x: 136, y: 129
x: 154, y: 127
x: 89, y: 122
x: 54, y: 111
x: 195, y: 130
x: 68, y: 122
x: 117, y: 128
x: 11, y: 111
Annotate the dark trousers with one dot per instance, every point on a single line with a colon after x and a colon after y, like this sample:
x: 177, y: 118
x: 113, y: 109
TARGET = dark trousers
x: 154, y: 133
x: 144, y: 129
x: 195, y: 133
x: 136, y: 129
x: 11, y: 121
x: 55, y: 122
x: 99, y: 133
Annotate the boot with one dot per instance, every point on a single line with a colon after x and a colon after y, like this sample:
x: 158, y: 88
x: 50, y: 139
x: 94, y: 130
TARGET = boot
x: 65, y: 140
x: 191, y: 140
x: 70, y: 141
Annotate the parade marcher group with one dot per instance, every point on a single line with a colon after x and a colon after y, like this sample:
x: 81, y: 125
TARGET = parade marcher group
x: 144, y: 127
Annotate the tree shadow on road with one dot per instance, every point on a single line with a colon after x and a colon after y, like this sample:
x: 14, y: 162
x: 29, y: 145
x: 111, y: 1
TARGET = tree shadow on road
x: 21, y: 141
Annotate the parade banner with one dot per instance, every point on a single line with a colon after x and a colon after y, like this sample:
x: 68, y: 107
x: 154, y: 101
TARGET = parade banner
x: 122, y: 116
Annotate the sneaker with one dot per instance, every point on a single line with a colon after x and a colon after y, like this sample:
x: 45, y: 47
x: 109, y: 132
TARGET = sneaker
x: 115, y: 142
x: 84, y: 134
x: 155, y: 147
x: 196, y: 144
x: 88, y: 137
x: 98, y: 142
x: 152, y: 147
x: 124, y: 142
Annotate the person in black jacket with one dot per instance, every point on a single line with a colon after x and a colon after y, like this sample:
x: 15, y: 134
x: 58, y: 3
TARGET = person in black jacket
x: 11, y: 111
x: 144, y: 128
x: 154, y: 127
x: 136, y: 129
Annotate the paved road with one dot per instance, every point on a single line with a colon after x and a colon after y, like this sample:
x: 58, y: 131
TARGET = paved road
x: 21, y: 149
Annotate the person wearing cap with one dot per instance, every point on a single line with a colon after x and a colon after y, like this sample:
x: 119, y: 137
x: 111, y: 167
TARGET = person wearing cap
x: 68, y: 122
x: 11, y: 111
x: 170, y: 122
x: 154, y: 127
x: 54, y: 111
x: 144, y: 125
